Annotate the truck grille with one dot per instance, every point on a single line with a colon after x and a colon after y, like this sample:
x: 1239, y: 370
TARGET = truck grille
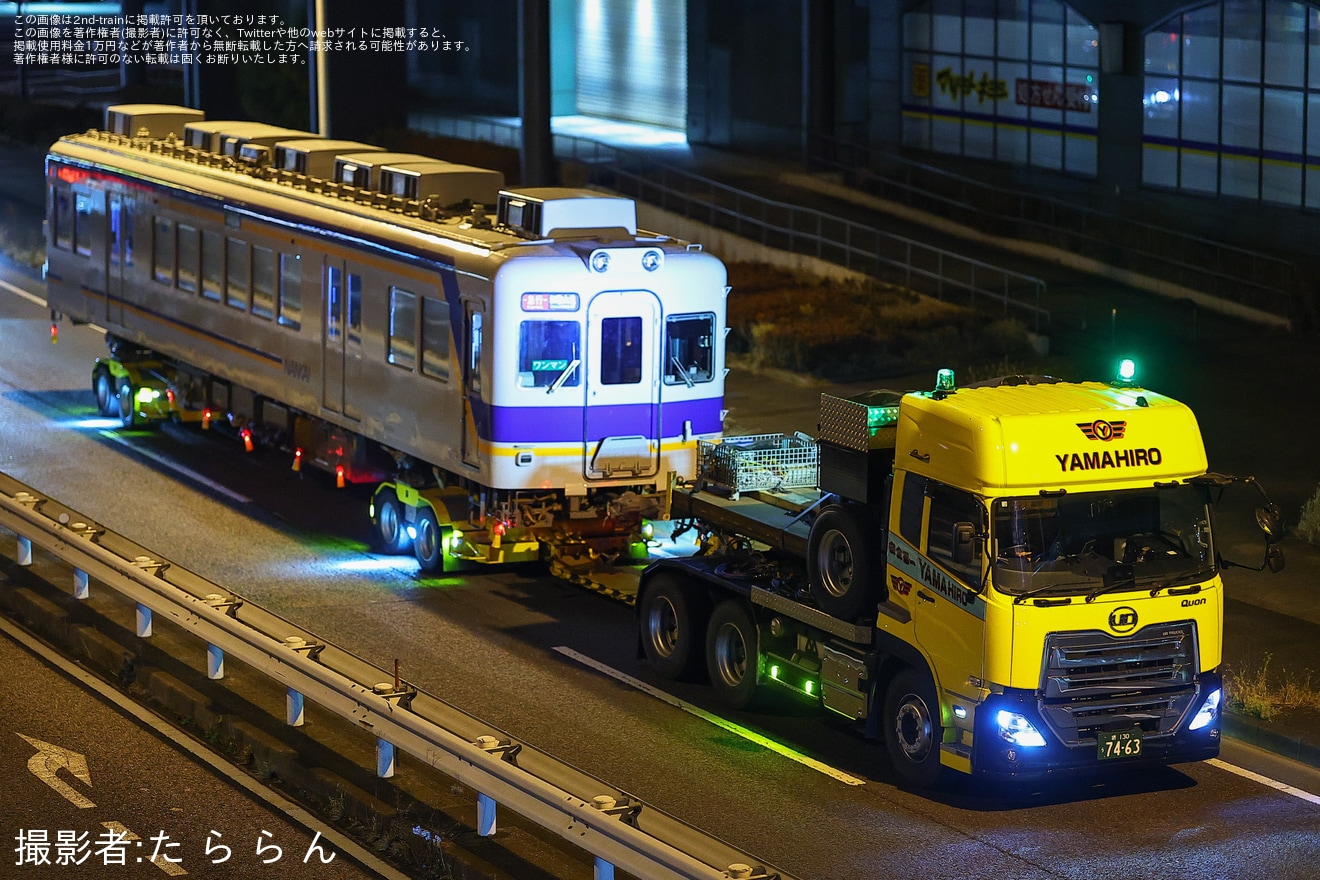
x: 1092, y: 681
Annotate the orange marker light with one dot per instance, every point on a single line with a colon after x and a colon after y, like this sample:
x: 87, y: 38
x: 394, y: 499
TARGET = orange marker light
x: 206, y: 419
x: 297, y: 460
x: 54, y: 333
x: 246, y: 434
x: 339, y: 476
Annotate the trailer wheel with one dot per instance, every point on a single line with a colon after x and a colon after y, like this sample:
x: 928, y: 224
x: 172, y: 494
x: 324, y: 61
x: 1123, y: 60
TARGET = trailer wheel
x: 104, y: 388
x: 913, y: 728
x: 672, y: 621
x: 733, y: 653
x: 839, y: 564
x: 429, y: 545
x: 390, y: 532
x: 127, y: 409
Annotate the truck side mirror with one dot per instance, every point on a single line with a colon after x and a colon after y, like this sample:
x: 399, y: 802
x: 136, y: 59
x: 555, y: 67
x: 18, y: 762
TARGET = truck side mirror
x: 964, y: 541
x: 1267, y: 518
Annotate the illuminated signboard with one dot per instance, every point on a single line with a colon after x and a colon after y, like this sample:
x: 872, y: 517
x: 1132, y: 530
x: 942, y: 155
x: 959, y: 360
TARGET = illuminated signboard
x: 550, y: 302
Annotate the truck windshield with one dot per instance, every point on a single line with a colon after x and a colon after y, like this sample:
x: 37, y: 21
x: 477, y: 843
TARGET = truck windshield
x: 1078, y: 544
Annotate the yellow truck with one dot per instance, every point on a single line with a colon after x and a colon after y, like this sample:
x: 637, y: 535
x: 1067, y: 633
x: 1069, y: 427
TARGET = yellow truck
x: 1014, y: 578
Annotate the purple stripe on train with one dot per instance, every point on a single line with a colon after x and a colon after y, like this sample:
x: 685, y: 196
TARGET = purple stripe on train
x: 565, y: 424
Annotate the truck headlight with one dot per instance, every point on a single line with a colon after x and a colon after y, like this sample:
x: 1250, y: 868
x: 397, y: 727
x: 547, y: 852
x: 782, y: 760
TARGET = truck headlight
x: 1018, y: 730
x: 1209, y: 710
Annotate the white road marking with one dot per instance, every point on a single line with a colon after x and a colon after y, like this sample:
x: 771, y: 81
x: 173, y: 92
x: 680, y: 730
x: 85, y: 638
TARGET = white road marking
x: 730, y: 726
x: 18, y: 291
x: 177, y: 468
x: 49, y: 760
x: 1266, y: 781
x: 291, y: 811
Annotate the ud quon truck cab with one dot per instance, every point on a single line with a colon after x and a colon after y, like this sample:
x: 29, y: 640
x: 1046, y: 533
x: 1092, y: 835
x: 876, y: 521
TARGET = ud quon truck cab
x: 1015, y: 578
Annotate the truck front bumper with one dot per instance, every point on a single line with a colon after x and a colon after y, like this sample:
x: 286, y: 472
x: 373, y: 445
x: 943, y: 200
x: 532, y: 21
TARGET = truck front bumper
x: 1017, y: 754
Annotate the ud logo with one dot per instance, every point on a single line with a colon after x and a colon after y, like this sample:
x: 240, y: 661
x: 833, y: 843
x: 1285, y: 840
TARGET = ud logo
x: 1103, y: 430
x: 1123, y: 620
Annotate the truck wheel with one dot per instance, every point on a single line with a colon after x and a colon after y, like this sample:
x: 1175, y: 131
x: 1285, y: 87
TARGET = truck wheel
x: 913, y: 728
x: 733, y: 653
x: 672, y: 621
x: 127, y: 408
x: 429, y: 545
x: 104, y: 388
x: 390, y: 532
x: 839, y: 564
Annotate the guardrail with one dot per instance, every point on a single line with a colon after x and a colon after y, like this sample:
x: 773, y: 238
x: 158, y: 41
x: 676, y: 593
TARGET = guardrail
x: 855, y: 246
x: 617, y: 829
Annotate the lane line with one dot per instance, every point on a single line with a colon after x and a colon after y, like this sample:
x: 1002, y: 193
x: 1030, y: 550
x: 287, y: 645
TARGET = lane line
x: 178, y: 468
x: 296, y: 814
x: 1266, y: 781
x: 18, y: 291
x: 751, y: 736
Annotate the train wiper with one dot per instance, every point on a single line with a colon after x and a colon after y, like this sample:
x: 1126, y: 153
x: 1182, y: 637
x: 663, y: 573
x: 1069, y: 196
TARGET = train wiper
x: 563, y: 377
x: 682, y: 373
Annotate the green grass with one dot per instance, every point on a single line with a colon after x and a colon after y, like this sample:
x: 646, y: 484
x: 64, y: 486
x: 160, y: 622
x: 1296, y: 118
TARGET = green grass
x: 1255, y: 691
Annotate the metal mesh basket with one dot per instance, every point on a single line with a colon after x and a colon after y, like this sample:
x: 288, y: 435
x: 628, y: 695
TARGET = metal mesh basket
x: 760, y: 461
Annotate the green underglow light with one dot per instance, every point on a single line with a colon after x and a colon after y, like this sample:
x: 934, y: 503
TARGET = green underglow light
x: 774, y: 672
x: 809, y: 687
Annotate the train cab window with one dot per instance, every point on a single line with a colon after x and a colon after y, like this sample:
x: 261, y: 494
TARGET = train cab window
x: 403, y: 328
x: 238, y: 265
x: 263, y: 282
x: 476, y: 341
x: 82, y: 226
x: 291, y: 290
x: 435, y: 338
x: 187, y: 280
x: 621, y: 351
x: 689, y: 349
x: 549, y: 354
x: 162, y: 250
x: 334, y: 302
x: 213, y: 264
x: 354, y: 308
x: 949, y: 506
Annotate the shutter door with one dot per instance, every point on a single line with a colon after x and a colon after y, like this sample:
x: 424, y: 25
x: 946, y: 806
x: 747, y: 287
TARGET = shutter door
x: 632, y: 61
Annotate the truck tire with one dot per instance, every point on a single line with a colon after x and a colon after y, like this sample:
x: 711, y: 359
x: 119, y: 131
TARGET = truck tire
x: 733, y: 654
x: 429, y: 545
x: 913, y: 728
x: 391, y: 536
x: 126, y: 409
x: 672, y: 622
x: 839, y: 563
x: 104, y: 388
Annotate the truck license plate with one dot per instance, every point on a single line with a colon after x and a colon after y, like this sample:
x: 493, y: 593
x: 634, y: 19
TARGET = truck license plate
x: 1123, y: 744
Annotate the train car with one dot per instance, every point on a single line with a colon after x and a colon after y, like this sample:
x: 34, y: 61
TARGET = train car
x: 492, y: 370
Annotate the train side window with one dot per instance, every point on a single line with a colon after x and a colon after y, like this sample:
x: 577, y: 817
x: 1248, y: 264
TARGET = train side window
x: 621, y: 351
x: 162, y: 250
x: 403, y: 328
x: 476, y: 334
x: 188, y: 255
x: 548, y: 350
x: 291, y: 290
x: 63, y: 219
x: 949, y: 506
x: 238, y: 265
x: 213, y: 264
x: 263, y: 282
x: 334, y: 290
x: 435, y: 338
x: 689, y: 349
x: 354, y: 309
x: 82, y: 226
x: 912, y: 508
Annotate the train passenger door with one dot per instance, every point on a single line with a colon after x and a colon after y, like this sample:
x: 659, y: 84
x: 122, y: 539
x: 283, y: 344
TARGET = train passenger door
x: 621, y: 425
x: 119, y: 255
x: 341, y: 338
x: 474, y: 331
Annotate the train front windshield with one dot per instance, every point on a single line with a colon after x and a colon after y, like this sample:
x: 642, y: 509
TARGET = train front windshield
x: 1103, y: 541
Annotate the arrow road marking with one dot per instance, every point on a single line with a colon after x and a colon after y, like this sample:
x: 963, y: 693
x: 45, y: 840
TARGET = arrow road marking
x: 49, y: 760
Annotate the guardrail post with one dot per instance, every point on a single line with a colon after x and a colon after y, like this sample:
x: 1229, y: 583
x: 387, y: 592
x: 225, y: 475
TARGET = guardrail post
x: 384, y: 758
x: 293, y: 708
x: 215, y: 663
x: 143, y: 621
x: 24, y: 550
x: 485, y: 815
x: 80, y: 589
